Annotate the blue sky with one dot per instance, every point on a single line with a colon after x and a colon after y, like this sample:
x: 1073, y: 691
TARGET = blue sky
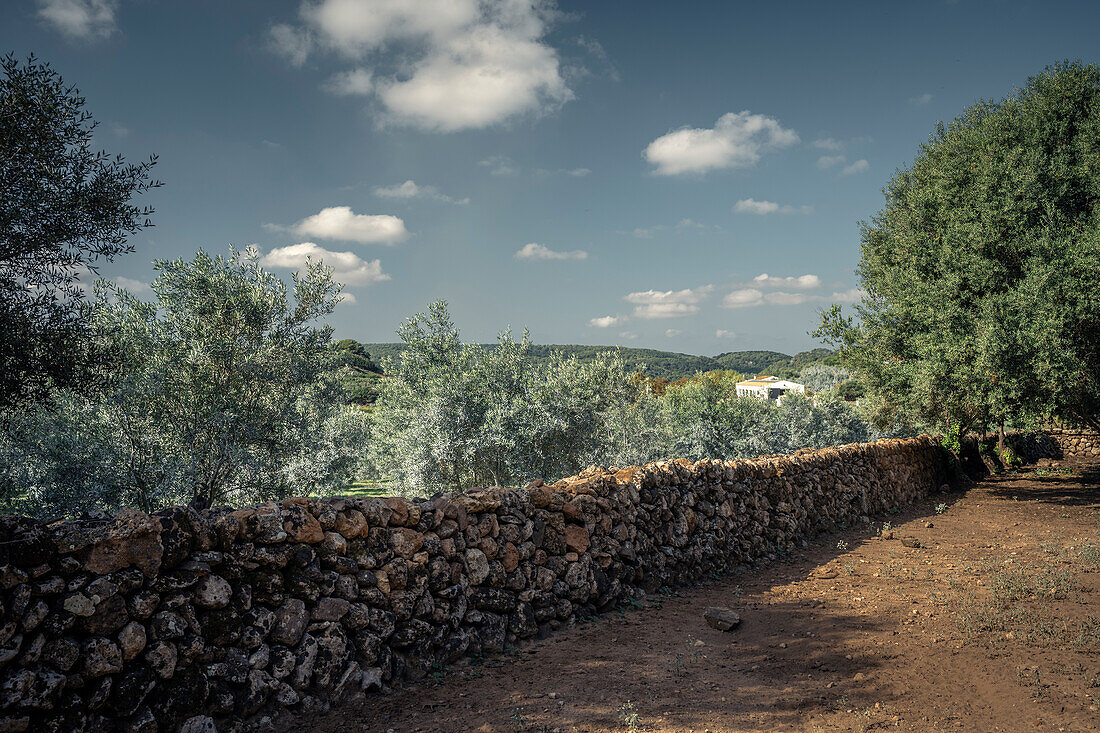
x: 682, y: 176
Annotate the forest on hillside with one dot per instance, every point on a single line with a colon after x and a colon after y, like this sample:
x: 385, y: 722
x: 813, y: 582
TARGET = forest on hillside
x: 662, y: 364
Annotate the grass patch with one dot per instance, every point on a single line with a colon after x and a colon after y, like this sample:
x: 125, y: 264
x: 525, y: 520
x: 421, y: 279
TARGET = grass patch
x: 367, y: 490
x: 1019, y: 608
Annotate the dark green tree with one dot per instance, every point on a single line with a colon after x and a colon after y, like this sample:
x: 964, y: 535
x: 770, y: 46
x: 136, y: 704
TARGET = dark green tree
x: 982, y: 271
x: 64, y: 210
x: 358, y: 372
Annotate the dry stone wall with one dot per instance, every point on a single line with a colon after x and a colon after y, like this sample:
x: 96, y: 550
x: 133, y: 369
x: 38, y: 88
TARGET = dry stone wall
x: 1076, y: 443
x: 1056, y: 443
x: 148, y: 622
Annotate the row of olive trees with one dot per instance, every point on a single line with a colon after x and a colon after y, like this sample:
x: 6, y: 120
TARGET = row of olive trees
x: 454, y: 415
x: 218, y: 390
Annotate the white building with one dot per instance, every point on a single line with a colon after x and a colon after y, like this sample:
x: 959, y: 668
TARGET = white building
x: 768, y: 388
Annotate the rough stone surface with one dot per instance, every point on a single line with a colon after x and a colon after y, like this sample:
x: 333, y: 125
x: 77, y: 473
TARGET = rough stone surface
x: 131, y: 640
x: 477, y: 566
x: 193, y: 619
x: 101, y: 656
x: 213, y: 592
x: 290, y: 622
x: 721, y: 618
x: 576, y: 539
x: 199, y: 724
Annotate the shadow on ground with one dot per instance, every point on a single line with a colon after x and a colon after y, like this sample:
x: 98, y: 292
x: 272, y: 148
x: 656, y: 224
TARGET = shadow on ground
x: 1079, y: 489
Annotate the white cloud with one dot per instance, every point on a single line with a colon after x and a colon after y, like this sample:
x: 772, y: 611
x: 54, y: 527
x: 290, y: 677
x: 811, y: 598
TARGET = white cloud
x: 464, y: 63
x: 752, y: 206
x: 651, y: 304
x: 340, y: 222
x: 848, y: 296
x: 291, y: 43
x: 782, y: 298
x: 596, y: 49
x: 410, y: 190
x: 860, y: 166
x: 132, y: 285
x: 353, y: 82
x: 629, y: 335
x: 724, y: 334
x: 534, y: 251
x: 736, y: 140
x: 500, y: 165
x: 751, y: 297
x: 574, y: 172
x: 682, y: 225
x: 481, y: 78
x: 921, y: 100
x: 356, y: 27
x: 347, y: 298
x: 665, y: 310
x: 81, y: 19
x: 828, y: 143
x: 828, y: 161
x: 606, y: 321
x: 673, y: 332
x: 802, y: 282
x: 406, y: 190
x: 743, y: 298
x: 347, y: 267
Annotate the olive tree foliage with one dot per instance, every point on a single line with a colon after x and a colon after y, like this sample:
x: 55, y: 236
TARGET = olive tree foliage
x: 704, y: 418
x: 983, y: 268
x: 823, y: 377
x: 64, y: 209
x: 453, y: 415
x: 222, y: 392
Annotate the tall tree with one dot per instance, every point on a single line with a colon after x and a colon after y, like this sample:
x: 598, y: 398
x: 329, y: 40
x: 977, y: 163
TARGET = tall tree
x: 222, y: 392
x: 64, y: 210
x: 982, y: 271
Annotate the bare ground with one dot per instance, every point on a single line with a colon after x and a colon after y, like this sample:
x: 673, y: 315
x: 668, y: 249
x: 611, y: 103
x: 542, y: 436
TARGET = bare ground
x: 991, y: 624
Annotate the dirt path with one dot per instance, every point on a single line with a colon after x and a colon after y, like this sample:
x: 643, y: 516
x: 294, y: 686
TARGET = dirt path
x: 991, y: 624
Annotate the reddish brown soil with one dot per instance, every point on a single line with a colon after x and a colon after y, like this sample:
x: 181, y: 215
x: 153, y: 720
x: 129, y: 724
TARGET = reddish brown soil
x: 858, y: 633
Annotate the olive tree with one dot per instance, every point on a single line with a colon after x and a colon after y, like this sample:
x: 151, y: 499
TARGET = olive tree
x: 222, y: 391
x: 454, y: 415
x: 64, y: 209
x: 982, y: 269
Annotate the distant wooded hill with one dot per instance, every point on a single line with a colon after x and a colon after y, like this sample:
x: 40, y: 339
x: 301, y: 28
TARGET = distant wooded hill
x: 666, y: 364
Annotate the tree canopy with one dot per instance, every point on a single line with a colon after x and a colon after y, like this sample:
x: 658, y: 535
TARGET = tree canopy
x: 222, y: 391
x: 64, y: 209
x: 982, y: 271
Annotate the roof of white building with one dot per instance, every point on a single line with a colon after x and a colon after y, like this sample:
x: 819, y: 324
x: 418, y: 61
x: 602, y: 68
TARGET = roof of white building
x: 759, y: 382
x: 769, y: 381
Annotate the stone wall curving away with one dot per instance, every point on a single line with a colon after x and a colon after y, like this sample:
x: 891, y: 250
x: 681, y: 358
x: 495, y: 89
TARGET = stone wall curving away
x: 141, y: 622
x: 1056, y: 443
